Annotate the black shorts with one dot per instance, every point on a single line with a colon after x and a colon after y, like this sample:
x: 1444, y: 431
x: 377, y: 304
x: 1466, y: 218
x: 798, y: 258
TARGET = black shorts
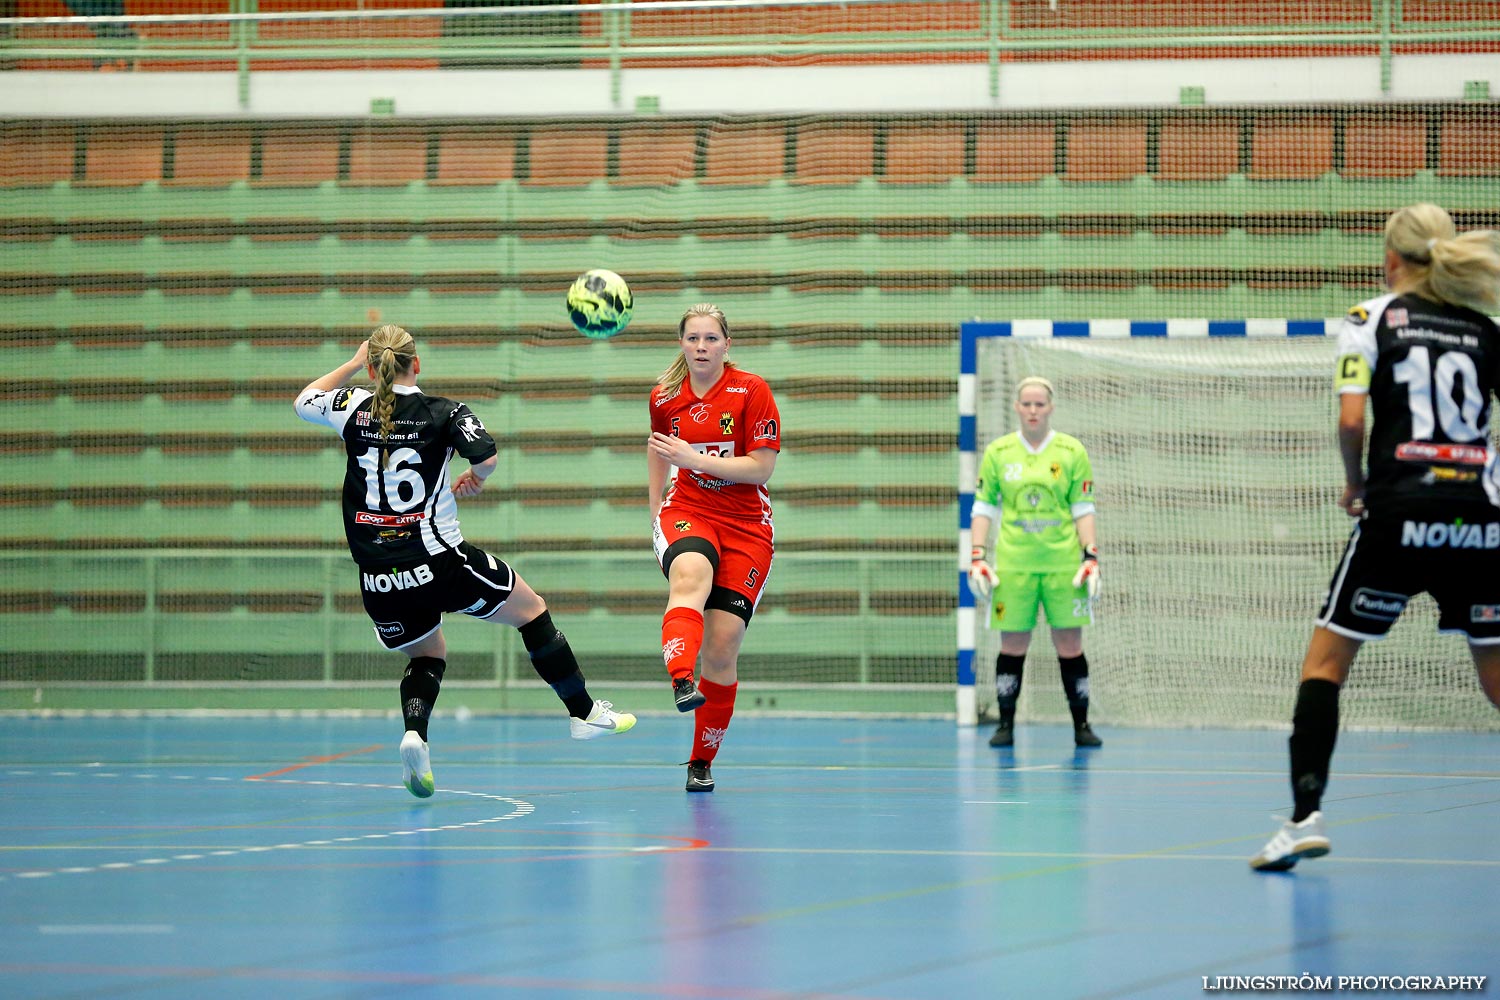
x: 1451, y: 553
x: 407, y: 602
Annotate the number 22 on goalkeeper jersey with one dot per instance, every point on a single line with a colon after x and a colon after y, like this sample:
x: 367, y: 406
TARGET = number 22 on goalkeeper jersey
x: 1038, y: 494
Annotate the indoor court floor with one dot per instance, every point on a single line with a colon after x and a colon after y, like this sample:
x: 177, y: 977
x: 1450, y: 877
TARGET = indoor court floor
x: 240, y: 857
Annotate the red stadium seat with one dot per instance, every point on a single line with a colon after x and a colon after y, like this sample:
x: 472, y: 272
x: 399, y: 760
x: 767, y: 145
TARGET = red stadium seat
x: 657, y: 154
x: 123, y: 156
x: 475, y: 155
x: 1385, y: 144
x: 296, y: 156
x: 563, y: 155
x: 745, y: 154
x: 834, y: 152
x: 387, y: 155
x: 923, y: 153
x: 1469, y: 143
x: 35, y: 154
x: 210, y: 156
x: 1106, y: 149
x: 1291, y: 146
x: 1198, y: 148
x: 1014, y: 151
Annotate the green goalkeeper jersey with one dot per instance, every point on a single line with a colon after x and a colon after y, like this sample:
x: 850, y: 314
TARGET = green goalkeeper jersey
x: 1034, y: 497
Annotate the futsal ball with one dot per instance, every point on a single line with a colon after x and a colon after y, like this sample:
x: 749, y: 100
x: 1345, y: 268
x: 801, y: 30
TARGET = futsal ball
x: 599, y: 303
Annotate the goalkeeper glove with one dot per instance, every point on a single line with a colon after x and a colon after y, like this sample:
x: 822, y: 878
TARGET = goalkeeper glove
x: 1088, y: 573
x: 982, y: 578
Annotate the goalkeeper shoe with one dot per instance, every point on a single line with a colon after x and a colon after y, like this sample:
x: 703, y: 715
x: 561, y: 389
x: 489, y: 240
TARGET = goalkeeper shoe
x: 603, y: 720
x: 1004, y: 736
x: 416, y: 766
x: 1292, y: 843
x: 700, y: 778
x: 1083, y: 736
x: 686, y: 694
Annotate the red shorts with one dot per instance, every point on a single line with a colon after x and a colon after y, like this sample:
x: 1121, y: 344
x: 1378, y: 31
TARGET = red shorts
x: 744, y: 548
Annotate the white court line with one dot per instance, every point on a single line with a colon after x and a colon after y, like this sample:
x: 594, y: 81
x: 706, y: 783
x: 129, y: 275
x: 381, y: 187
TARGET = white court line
x: 1151, y: 772
x: 519, y: 808
x: 106, y: 929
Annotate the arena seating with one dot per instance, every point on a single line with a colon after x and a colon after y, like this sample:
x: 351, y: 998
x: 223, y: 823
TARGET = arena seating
x: 169, y: 286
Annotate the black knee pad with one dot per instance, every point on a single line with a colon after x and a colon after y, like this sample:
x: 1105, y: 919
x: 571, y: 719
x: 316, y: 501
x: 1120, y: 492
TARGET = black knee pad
x: 724, y: 599
x: 689, y: 544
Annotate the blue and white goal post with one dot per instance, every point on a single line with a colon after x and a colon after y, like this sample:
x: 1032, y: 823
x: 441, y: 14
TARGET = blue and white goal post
x: 1204, y: 437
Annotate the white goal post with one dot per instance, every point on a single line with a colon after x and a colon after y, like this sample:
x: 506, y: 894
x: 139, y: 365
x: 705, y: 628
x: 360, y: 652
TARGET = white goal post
x: 1217, y: 475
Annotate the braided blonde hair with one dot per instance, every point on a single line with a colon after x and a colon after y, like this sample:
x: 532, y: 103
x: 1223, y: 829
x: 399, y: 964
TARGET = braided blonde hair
x: 1462, y: 269
x: 392, y: 351
x: 671, y: 380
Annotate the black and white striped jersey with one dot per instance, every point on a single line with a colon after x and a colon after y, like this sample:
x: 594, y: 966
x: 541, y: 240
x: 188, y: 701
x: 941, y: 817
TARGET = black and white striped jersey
x: 1430, y: 370
x: 405, y: 511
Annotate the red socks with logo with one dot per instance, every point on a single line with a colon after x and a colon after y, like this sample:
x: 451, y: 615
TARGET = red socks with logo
x: 681, y: 638
x: 711, y: 719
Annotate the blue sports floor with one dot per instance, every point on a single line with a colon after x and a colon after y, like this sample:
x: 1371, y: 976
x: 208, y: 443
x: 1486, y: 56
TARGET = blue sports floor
x: 279, y: 857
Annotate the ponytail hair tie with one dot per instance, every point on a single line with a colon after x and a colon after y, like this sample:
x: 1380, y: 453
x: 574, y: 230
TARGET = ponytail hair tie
x: 1431, y: 243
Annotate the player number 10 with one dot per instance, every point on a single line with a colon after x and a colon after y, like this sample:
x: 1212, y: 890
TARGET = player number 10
x: 1459, y: 423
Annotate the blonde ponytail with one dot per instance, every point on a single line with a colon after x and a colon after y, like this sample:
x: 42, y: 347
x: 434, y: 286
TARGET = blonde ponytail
x: 1443, y: 265
x: 392, y: 351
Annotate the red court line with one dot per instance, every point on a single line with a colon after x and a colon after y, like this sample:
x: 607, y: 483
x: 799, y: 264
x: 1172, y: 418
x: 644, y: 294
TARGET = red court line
x: 310, y: 761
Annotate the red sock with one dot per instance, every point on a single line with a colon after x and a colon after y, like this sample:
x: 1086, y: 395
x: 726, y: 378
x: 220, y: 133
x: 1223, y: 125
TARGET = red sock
x: 711, y: 719
x: 681, y: 638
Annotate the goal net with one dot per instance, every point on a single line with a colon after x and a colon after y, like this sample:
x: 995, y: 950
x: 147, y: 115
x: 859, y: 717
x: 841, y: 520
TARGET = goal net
x: 1217, y: 475
x: 205, y: 205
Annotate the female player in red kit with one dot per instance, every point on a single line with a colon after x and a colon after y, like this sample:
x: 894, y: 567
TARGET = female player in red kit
x: 715, y: 435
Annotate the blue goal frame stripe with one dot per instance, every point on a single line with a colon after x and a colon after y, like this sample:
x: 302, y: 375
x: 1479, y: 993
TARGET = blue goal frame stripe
x: 973, y: 331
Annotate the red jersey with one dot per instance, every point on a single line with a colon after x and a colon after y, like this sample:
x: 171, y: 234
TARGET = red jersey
x: 735, y: 417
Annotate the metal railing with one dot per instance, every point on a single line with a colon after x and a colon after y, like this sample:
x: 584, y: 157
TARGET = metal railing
x: 146, y: 578
x: 604, y: 35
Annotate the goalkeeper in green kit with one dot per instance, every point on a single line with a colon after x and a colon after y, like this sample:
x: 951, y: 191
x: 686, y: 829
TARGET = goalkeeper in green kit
x: 1038, y: 484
